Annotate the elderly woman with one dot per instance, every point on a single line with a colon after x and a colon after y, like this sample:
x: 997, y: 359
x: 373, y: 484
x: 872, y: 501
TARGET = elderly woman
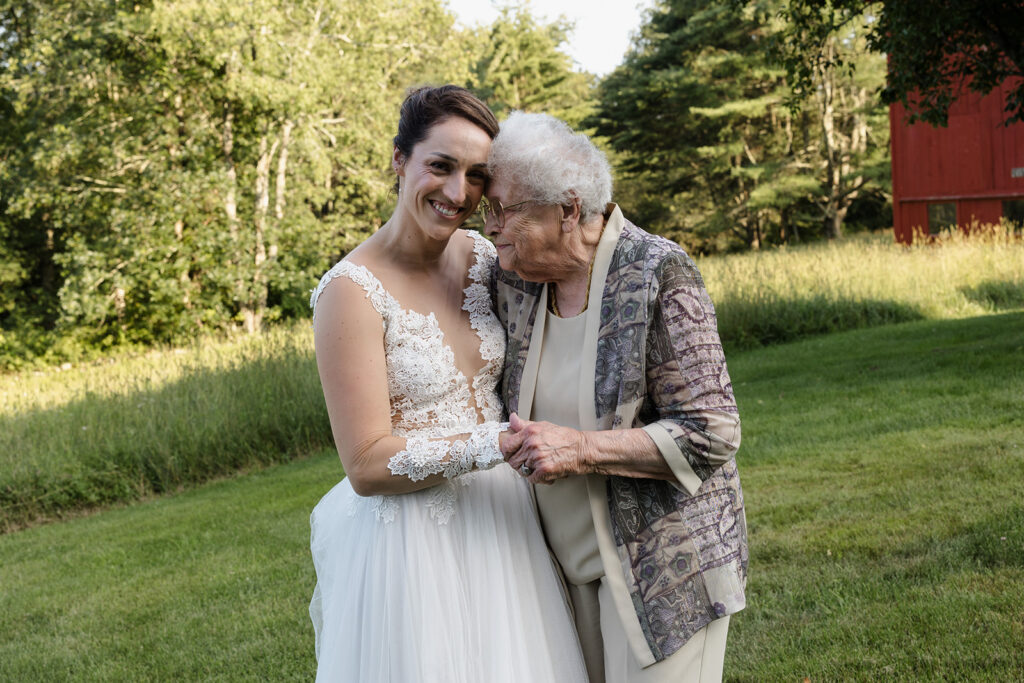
x: 622, y: 409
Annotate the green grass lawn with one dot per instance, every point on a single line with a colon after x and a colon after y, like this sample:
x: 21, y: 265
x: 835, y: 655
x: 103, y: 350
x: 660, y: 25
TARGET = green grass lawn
x: 210, y: 584
x: 884, y: 477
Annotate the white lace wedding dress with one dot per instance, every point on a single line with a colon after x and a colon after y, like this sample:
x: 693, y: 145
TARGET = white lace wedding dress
x: 452, y: 583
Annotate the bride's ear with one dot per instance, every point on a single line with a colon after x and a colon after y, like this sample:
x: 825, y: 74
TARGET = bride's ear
x: 398, y: 162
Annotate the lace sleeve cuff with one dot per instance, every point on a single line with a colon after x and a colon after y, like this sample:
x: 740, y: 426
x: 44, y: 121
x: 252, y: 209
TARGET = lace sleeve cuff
x: 423, y: 457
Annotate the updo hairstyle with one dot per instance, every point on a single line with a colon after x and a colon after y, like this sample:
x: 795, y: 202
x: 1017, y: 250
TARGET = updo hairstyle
x: 428, y: 106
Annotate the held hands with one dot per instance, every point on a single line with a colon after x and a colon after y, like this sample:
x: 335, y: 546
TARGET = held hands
x: 549, y: 451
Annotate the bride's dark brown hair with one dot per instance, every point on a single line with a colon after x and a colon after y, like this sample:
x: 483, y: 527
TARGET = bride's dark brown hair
x: 428, y: 106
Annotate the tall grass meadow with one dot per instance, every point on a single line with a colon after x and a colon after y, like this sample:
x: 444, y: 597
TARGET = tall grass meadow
x: 107, y: 432
x: 779, y: 295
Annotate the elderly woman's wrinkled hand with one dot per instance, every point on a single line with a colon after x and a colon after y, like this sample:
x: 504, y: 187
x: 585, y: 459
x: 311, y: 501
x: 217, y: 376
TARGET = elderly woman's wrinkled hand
x: 544, y: 452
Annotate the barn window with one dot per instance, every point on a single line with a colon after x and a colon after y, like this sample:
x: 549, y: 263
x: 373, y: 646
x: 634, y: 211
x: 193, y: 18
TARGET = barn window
x: 941, y: 216
x: 1013, y: 211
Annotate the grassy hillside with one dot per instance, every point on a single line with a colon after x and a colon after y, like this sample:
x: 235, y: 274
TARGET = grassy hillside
x: 883, y: 471
x: 108, y: 433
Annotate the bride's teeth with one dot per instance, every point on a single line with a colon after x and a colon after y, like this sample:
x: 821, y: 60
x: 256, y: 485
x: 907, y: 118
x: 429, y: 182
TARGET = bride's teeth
x: 445, y: 210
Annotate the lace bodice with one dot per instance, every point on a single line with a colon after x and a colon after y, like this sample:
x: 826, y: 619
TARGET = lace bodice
x: 430, y: 397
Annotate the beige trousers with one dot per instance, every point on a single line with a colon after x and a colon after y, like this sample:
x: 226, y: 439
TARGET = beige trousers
x: 606, y: 649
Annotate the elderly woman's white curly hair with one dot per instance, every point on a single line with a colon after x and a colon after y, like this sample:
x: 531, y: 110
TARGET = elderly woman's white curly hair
x: 548, y: 163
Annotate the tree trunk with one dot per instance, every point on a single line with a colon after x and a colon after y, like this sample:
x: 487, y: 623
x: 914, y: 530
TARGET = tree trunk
x: 230, y: 203
x: 256, y: 304
x: 49, y: 273
x: 830, y: 142
x: 183, y: 277
x: 282, y: 167
x: 48, y: 270
x: 231, y: 210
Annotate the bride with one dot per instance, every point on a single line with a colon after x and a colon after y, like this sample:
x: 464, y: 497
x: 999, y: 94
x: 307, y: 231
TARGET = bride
x: 429, y: 557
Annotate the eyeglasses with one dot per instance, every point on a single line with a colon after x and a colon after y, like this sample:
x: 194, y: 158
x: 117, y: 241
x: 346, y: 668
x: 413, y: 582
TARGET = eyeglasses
x: 495, y: 210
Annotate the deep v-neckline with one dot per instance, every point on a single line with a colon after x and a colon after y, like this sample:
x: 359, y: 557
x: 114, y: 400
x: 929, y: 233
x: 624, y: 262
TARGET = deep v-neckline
x: 470, y: 298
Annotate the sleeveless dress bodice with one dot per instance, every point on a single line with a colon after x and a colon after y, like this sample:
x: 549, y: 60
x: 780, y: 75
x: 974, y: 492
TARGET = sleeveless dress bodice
x: 453, y: 582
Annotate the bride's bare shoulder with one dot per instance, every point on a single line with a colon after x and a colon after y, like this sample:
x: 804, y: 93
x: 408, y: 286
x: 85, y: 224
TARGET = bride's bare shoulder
x: 349, y: 293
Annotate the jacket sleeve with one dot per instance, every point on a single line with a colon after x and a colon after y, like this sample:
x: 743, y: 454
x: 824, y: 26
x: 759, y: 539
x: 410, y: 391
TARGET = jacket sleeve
x: 690, y: 408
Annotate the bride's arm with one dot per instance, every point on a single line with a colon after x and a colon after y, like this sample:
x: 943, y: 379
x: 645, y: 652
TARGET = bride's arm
x: 349, y: 339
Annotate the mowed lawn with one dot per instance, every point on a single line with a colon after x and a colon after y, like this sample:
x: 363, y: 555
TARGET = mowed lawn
x: 883, y: 471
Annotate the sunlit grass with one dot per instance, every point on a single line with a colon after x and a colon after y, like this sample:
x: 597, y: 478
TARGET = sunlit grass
x: 778, y: 295
x: 102, y: 433
x: 116, y: 431
x: 209, y: 585
x: 146, y: 371
x: 883, y: 475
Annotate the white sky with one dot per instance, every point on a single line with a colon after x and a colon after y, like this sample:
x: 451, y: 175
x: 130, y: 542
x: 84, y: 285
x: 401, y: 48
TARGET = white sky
x: 603, y: 27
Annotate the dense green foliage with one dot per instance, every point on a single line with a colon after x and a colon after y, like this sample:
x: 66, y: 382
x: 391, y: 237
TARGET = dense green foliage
x: 174, y: 168
x: 179, y: 166
x: 521, y: 68
x: 712, y: 154
x: 883, y: 474
x: 937, y: 49
x: 111, y: 432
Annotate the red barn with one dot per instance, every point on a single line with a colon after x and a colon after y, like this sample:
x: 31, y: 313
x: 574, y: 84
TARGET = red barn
x: 972, y: 170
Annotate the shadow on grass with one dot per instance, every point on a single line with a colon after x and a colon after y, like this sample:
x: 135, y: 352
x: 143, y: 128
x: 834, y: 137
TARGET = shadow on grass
x: 1000, y: 295
x: 747, y: 325
x: 109, y: 449
x: 838, y: 391
x: 994, y: 542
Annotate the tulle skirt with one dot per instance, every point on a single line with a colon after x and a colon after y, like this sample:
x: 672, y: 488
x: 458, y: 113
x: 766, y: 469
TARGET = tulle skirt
x: 448, y: 584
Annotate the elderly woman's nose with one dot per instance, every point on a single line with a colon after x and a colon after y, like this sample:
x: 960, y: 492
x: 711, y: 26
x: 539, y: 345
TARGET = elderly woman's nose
x: 491, y: 225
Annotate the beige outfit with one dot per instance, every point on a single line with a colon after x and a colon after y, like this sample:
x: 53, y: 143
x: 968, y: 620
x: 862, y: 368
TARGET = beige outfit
x: 573, y: 539
x: 606, y: 649
x: 568, y: 517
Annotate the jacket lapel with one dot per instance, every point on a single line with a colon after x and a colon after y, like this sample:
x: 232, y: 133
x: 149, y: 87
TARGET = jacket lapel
x: 528, y: 381
x: 588, y: 362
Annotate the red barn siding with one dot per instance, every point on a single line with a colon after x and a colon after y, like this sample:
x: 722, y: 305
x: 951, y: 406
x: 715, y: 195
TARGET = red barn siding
x: 969, y: 163
x: 979, y: 211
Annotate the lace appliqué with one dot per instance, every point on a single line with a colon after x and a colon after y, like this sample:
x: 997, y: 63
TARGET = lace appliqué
x: 385, y: 508
x: 430, y: 398
x: 492, y: 335
x: 381, y: 301
x: 422, y: 458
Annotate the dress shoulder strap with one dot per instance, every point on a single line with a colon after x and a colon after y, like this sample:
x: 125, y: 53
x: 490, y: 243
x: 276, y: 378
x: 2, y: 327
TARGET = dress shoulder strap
x: 379, y: 297
x: 477, y: 301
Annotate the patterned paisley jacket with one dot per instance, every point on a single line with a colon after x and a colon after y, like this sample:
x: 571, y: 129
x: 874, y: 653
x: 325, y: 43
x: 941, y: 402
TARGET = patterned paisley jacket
x: 674, y: 553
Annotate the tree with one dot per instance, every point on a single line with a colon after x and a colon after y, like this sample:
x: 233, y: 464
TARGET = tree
x: 936, y: 48
x: 696, y: 110
x: 521, y: 67
x: 710, y: 153
x: 853, y: 150
x: 172, y: 166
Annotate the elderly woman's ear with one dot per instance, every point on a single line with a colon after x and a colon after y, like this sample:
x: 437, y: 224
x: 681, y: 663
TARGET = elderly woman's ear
x: 571, y: 215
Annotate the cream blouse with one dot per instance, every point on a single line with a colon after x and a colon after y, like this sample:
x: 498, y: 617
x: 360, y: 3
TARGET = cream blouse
x: 565, y: 505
